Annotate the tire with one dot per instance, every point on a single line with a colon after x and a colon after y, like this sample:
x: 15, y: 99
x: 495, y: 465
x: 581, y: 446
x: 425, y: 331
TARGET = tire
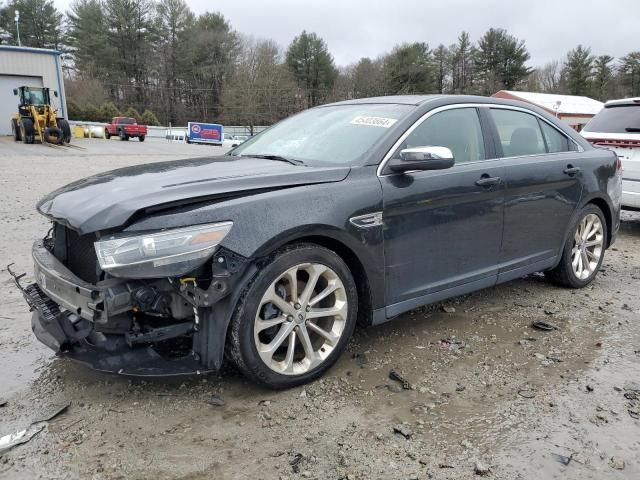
x: 26, y: 130
x: 580, y: 250
x: 15, y: 130
x: 53, y: 135
x: 66, y: 130
x: 123, y: 136
x: 107, y: 135
x: 141, y: 138
x: 287, y: 367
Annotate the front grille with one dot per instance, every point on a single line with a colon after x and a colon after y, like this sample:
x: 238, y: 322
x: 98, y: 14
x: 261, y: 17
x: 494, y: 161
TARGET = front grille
x: 77, y: 253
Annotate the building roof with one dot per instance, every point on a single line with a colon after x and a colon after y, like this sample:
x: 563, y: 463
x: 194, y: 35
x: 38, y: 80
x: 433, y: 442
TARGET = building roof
x: 15, y: 48
x: 563, y: 104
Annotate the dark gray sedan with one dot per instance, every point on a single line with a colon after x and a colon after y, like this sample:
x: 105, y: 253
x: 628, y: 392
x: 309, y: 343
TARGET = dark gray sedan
x: 359, y: 210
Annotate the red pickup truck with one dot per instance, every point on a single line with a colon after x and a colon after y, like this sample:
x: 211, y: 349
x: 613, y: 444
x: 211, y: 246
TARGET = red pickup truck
x: 125, y: 128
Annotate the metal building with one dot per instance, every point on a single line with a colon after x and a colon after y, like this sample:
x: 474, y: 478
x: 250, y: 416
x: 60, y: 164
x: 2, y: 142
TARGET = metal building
x: 36, y: 67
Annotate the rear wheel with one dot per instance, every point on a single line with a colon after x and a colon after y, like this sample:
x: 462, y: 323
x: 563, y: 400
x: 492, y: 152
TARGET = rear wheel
x: 583, y: 251
x: 295, y: 318
x: 141, y: 138
x: 123, y: 136
x: 15, y: 130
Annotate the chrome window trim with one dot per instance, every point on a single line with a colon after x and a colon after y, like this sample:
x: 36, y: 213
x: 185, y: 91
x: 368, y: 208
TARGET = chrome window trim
x: 430, y: 113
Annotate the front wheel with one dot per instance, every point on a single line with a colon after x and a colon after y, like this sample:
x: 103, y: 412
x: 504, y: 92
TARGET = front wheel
x: 583, y: 251
x: 295, y: 318
x: 107, y: 135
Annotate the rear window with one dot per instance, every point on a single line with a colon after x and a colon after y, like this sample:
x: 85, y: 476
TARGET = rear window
x: 126, y: 121
x: 619, y: 119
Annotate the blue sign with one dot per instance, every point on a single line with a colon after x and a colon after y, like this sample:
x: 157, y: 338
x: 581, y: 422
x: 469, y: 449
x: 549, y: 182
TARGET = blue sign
x: 204, y: 133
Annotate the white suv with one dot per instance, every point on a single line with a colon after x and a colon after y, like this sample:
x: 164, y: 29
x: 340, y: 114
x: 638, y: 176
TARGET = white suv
x: 617, y: 127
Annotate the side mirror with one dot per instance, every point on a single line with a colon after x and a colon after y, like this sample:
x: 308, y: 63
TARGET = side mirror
x: 15, y: 91
x: 422, y: 158
x: 55, y: 93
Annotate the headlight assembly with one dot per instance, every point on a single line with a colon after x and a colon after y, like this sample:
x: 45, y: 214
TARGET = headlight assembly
x: 168, y: 253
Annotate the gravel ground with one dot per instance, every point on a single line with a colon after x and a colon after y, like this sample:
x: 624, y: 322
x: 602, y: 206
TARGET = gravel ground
x: 489, y: 395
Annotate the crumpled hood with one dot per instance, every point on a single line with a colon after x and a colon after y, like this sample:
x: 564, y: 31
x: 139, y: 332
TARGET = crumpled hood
x: 108, y: 200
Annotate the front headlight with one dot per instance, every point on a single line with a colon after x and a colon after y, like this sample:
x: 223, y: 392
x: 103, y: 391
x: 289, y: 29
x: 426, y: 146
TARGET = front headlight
x: 170, y: 253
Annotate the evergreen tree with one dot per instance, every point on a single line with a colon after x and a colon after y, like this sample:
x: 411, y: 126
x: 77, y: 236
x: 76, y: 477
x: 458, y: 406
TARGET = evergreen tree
x: 500, y: 61
x: 40, y: 24
x: 630, y: 74
x: 409, y: 69
x: 312, y: 65
x: 602, y: 77
x: 578, y: 71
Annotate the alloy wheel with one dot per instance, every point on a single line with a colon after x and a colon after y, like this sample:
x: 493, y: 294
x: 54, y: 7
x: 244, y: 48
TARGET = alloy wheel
x: 300, y: 319
x: 588, y: 244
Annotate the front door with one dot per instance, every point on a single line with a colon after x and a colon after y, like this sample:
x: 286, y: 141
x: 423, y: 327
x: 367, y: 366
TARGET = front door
x: 443, y: 228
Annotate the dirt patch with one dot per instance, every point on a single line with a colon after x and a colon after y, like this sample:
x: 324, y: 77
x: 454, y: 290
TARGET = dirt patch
x: 486, y: 389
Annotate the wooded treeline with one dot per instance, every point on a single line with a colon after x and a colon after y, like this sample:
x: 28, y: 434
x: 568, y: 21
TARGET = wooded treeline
x: 160, y: 58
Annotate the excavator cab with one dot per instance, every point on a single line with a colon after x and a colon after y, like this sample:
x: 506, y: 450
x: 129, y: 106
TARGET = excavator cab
x: 36, y: 119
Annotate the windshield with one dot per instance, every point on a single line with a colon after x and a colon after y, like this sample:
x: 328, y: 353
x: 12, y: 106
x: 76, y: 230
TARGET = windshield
x: 338, y: 135
x: 620, y: 119
x: 34, y: 96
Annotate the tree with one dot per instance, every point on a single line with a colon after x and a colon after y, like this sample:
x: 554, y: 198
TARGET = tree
x: 442, y: 64
x: 579, y: 70
x: 91, y: 113
x: 462, y: 64
x: 130, y: 32
x: 133, y: 113
x: 213, y: 46
x: 500, y: 61
x: 629, y: 72
x: 602, y: 77
x: 261, y: 90
x: 409, y: 69
x: 74, y: 111
x: 40, y: 23
x: 549, y: 77
x: 87, y: 38
x: 108, y: 111
x: 173, y: 21
x: 149, y: 118
x: 367, y: 77
x: 312, y: 66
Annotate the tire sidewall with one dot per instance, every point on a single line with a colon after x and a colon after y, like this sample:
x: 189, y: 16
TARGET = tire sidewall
x: 568, y: 246
x: 246, y: 313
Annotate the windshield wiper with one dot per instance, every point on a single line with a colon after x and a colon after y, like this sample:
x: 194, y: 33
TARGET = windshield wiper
x: 278, y: 158
x: 632, y: 129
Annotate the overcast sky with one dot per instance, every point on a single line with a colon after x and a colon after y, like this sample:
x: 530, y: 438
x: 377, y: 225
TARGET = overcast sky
x: 360, y: 28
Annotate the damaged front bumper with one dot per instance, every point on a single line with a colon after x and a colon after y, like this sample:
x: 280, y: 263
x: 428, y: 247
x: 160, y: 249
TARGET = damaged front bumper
x: 90, y: 324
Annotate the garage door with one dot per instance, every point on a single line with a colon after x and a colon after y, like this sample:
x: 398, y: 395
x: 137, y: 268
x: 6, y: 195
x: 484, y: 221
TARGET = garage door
x: 9, y: 102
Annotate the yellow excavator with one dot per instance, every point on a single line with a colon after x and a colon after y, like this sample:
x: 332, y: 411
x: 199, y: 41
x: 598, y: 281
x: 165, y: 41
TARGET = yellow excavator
x: 36, y: 119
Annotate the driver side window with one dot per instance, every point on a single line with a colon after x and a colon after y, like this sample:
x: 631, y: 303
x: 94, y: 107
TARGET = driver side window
x: 457, y: 129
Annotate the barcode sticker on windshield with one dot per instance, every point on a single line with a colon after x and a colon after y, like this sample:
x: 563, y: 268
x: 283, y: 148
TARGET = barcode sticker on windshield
x: 374, y: 121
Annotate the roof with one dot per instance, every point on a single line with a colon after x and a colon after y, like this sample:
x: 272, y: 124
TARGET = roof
x: 563, y: 104
x: 623, y: 101
x: 392, y: 99
x: 43, y: 51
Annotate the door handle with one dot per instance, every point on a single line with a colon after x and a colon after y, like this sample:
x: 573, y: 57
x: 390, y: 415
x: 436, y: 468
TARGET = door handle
x: 571, y: 170
x: 487, y: 181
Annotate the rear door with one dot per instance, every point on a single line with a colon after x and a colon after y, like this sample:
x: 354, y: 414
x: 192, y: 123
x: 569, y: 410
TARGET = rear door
x: 443, y: 228
x: 543, y: 186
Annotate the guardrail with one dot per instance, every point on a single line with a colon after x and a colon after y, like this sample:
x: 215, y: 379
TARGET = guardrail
x: 96, y: 130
